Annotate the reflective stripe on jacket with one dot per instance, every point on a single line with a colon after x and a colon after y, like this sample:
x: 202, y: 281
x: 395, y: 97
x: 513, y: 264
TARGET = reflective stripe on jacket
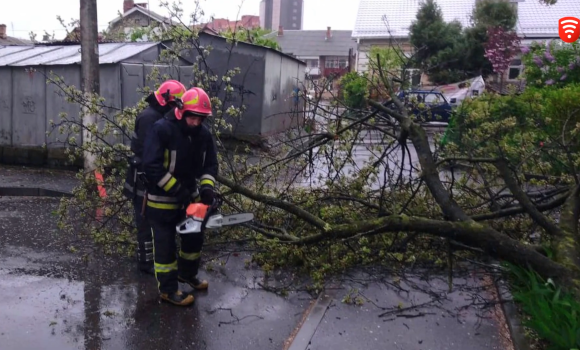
x: 172, y: 158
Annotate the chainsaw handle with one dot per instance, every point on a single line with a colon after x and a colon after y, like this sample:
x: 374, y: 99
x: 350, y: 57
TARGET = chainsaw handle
x: 210, y: 210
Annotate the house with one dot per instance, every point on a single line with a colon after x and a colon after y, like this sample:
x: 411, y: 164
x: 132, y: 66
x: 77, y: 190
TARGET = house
x: 135, y: 16
x: 6, y: 40
x: 327, y: 53
x: 221, y: 24
x: 385, y: 23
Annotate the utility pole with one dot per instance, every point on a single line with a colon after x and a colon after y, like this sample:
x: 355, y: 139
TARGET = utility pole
x: 89, y: 69
x: 90, y: 85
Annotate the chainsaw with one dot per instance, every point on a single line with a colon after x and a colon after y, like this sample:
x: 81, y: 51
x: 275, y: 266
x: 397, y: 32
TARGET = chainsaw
x: 199, y: 216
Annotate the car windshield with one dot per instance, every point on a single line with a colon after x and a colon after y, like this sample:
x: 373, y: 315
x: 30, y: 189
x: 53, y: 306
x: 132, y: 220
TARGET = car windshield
x: 427, y: 98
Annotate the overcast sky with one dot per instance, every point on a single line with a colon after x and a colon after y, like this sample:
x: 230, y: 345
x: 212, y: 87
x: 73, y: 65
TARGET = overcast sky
x: 39, y: 15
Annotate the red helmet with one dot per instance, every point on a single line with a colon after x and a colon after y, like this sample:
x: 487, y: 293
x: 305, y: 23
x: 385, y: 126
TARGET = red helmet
x: 169, y: 91
x: 195, y: 101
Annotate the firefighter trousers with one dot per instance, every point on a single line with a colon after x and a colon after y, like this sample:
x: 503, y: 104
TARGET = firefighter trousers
x: 144, y: 236
x: 169, y: 264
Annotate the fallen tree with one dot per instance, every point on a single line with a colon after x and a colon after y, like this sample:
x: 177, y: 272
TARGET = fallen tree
x: 351, y: 191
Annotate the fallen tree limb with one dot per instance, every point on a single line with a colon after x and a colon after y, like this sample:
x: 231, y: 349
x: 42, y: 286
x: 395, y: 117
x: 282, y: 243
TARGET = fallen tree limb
x: 278, y: 203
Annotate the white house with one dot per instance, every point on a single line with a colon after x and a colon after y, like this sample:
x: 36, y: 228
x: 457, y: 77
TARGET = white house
x: 387, y: 23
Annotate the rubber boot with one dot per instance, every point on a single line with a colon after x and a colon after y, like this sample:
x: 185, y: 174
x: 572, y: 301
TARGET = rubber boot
x: 193, y: 281
x: 178, y: 298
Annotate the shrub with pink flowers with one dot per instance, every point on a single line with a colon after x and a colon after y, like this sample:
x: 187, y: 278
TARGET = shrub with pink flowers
x: 553, y: 63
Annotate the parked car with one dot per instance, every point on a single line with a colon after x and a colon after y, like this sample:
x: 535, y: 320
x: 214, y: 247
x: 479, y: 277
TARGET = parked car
x: 427, y: 105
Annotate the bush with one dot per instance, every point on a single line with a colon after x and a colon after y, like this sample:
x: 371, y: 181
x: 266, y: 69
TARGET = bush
x: 552, y: 64
x: 354, y: 89
x: 545, y: 119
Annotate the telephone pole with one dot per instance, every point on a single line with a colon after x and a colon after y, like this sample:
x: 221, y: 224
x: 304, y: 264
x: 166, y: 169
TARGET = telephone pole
x: 90, y: 84
x: 89, y: 69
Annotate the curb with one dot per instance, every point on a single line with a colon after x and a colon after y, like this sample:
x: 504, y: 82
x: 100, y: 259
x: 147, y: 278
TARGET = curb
x: 32, y: 192
x: 313, y: 317
x: 511, y: 315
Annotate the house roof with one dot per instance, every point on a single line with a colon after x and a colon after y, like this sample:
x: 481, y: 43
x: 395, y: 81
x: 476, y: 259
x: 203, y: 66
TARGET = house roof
x: 10, y: 40
x: 313, y: 43
x: 219, y: 24
x: 144, y: 11
x: 36, y: 55
x: 392, y: 18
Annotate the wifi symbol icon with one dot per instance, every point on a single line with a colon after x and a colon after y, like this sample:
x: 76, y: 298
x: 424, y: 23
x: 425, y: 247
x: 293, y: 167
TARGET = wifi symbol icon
x: 569, y: 29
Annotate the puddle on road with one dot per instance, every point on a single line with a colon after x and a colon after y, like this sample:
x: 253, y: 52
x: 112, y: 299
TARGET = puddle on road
x: 40, y: 312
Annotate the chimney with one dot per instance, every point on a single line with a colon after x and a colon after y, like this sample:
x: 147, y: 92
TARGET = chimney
x: 3, y: 31
x: 328, y: 35
x: 127, y: 5
x: 280, y: 31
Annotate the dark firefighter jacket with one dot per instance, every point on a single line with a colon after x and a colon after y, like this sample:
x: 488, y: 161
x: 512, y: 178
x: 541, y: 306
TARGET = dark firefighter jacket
x: 143, y: 123
x: 173, y: 158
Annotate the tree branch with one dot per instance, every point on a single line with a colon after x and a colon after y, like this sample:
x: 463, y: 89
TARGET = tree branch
x: 557, y: 202
x: 524, y: 200
x: 468, y: 233
x: 281, y: 204
x: 566, y: 245
x: 429, y: 172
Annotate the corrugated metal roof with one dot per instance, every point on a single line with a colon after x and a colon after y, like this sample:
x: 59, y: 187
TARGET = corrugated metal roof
x: 392, y: 18
x: 305, y: 43
x: 36, y: 55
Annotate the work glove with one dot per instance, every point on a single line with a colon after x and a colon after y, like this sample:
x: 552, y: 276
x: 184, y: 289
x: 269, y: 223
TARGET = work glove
x: 183, y: 195
x: 207, y: 194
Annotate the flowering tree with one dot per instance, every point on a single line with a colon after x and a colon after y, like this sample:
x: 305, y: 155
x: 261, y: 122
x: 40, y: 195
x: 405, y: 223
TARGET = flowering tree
x: 552, y: 64
x: 502, y: 45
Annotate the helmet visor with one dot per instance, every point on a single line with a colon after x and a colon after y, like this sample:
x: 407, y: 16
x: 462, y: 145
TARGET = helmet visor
x: 190, y: 114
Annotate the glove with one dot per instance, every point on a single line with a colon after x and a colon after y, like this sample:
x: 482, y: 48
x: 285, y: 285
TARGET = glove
x: 207, y: 194
x: 183, y: 195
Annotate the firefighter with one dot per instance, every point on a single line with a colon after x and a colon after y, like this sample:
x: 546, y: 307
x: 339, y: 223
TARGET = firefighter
x: 160, y: 102
x: 179, y: 150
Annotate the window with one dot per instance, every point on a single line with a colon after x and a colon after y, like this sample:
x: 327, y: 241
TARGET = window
x: 294, y: 25
x: 295, y: 10
x: 336, y: 62
x: 515, y: 69
x: 313, y: 63
x: 413, y: 76
x: 293, y: 18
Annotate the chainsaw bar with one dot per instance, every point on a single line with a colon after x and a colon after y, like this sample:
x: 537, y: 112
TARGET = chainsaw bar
x: 235, y: 219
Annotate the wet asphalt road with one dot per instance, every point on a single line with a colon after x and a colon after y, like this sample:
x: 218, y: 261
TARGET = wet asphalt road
x: 53, y: 300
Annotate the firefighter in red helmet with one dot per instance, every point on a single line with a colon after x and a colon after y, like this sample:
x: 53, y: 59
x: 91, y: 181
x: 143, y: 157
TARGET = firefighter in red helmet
x: 178, y: 151
x: 161, y: 101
